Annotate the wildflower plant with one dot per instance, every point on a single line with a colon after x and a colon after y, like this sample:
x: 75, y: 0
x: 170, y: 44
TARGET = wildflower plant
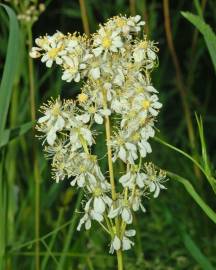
x: 115, y: 66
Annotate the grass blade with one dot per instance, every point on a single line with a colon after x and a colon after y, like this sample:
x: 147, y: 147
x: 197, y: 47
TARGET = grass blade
x: 10, y: 134
x: 192, y: 192
x: 8, y: 78
x: 206, y: 31
x: 10, y: 67
x: 196, y: 253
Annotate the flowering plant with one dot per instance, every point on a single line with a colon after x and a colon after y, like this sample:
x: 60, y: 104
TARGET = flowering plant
x: 115, y: 66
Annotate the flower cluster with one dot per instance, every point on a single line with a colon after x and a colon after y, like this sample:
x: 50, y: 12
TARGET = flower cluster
x: 28, y: 11
x: 116, y: 66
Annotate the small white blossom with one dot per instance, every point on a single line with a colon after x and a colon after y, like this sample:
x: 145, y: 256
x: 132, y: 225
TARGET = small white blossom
x: 106, y: 41
x: 115, y: 244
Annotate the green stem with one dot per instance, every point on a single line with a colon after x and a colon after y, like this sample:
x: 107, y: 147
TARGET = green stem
x: 109, y: 150
x: 119, y: 259
x: 84, y: 17
x: 36, y: 165
x: 111, y: 174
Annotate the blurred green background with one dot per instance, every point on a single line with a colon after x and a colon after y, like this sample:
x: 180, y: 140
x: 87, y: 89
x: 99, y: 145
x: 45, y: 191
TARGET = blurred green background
x: 38, y: 218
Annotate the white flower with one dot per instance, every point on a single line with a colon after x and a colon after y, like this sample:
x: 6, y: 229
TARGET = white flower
x: 136, y: 201
x: 123, y: 149
x: 53, y: 47
x: 115, y: 244
x: 144, y: 51
x: 144, y: 148
x: 99, y: 205
x: 126, y: 25
x: 154, y: 179
x: 52, y: 121
x: 82, y: 179
x: 88, y: 216
x: 97, y: 114
x: 126, y: 242
x: 155, y: 187
x: 130, y: 179
x: 79, y: 136
x: 71, y: 69
x: 123, y: 210
x: 105, y: 41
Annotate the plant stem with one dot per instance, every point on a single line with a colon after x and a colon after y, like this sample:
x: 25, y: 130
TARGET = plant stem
x: 109, y: 150
x: 180, y: 84
x: 84, y: 16
x: 35, y: 164
x: 119, y: 259
x: 111, y: 174
x: 133, y: 7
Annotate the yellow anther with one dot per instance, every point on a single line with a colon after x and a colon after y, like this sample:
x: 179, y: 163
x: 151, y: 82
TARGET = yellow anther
x: 146, y: 104
x: 52, y: 53
x: 97, y: 192
x: 144, y: 44
x: 136, y: 137
x: 82, y: 98
x: 92, y: 109
x: 120, y: 22
x: 56, y: 109
x: 139, y: 89
x: 81, y: 168
x: 106, y: 42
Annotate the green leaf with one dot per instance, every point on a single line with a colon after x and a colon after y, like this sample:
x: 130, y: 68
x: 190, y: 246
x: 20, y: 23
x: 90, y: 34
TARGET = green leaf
x: 10, y: 67
x: 8, y: 77
x: 206, y: 31
x: 196, y: 253
x: 190, y: 189
x: 10, y: 134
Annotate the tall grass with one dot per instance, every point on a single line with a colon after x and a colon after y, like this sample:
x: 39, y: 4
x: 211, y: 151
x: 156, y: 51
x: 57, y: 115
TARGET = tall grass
x: 38, y: 219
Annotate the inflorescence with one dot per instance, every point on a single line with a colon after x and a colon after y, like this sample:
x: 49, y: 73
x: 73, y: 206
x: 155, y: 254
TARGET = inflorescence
x: 115, y: 66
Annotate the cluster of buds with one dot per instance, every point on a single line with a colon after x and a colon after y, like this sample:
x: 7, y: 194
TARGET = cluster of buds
x: 28, y: 10
x: 115, y: 66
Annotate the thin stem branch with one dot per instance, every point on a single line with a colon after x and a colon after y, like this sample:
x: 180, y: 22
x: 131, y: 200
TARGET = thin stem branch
x: 133, y: 7
x: 36, y: 166
x: 192, y: 53
x: 111, y: 174
x: 84, y: 16
x: 119, y: 259
x: 109, y: 150
x: 179, y: 81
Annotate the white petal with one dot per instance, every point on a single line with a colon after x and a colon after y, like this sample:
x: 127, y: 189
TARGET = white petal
x: 140, y: 180
x: 122, y: 154
x: 150, y: 88
x: 151, y: 54
x: 51, y: 137
x: 98, y: 118
x: 113, y: 212
x: 130, y: 233
x: 49, y: 63
x: 116, y: 243
x: 96, y: 216
x: 157, y: 191
x: 126, y: 215
x: 59, y: 124
x: 126, y: 243
x: 43, y: 119
x: 95, y: 73
x: 99, y: 205
x: 124, y: 179
x: 88, y: 224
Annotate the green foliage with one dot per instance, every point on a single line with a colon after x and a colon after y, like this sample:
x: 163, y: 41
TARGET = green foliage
x: 10, y: 67
x: 206, y: 31
x: 8, y: 77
